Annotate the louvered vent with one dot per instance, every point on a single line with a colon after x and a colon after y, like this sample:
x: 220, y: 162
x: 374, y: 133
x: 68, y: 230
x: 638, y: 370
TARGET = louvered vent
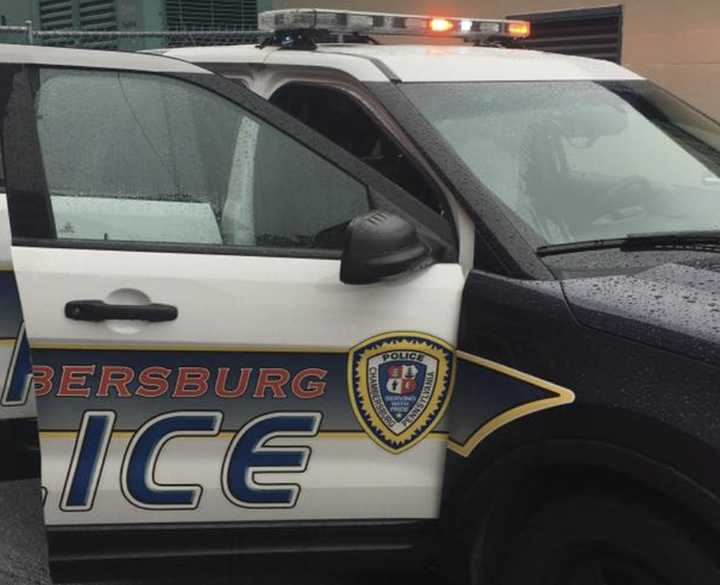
x: 593, y: 32
x: 55, y: 14
x: 98, y: 15
x: 211, y: 14
x: 79, y: 14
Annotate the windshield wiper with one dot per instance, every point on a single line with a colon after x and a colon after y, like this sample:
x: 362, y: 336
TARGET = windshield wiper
x: 708, y: 241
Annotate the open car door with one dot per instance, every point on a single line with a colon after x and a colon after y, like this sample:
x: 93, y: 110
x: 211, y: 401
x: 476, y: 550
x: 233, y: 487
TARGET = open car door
x: 198, y: 363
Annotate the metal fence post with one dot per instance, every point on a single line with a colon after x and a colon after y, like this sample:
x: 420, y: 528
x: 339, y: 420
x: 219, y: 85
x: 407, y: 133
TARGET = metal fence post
x: 29, y: 32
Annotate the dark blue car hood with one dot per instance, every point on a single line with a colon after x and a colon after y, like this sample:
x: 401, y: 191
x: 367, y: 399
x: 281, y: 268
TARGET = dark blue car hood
x: 673, y: 305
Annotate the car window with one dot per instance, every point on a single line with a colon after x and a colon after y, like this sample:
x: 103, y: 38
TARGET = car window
x: 341, y: 118
x: 147, y: 158
x: 583, y: 160
x: 606, y: 157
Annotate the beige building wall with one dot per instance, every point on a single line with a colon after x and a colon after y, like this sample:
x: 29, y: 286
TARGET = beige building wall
x: 675, y: 43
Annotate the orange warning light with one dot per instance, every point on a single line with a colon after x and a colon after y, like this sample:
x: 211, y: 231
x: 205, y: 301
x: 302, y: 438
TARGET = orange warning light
x: 441, y: 25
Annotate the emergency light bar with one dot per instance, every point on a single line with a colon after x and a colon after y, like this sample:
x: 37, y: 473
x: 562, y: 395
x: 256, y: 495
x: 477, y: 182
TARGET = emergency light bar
x: 347, y: 22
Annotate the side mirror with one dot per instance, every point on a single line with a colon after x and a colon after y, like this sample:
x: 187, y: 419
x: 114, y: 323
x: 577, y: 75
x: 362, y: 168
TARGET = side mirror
x: 379, y: 245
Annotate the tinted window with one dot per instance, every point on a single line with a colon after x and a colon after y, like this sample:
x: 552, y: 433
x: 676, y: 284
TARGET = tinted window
x: 136, y: 157
x: 340, y: 118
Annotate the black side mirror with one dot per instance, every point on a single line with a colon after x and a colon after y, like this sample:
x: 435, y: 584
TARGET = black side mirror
x: 380, y: 244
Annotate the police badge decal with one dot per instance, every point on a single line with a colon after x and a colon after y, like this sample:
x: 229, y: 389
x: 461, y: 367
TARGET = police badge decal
x: 400, y: 385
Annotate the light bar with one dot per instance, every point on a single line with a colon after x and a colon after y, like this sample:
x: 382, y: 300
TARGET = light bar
x: 344, y: 22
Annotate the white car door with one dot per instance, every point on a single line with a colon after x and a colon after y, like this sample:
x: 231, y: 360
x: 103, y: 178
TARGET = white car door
x: 177, y: 245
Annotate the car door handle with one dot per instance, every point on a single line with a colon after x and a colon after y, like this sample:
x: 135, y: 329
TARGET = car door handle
x: 102, y: 311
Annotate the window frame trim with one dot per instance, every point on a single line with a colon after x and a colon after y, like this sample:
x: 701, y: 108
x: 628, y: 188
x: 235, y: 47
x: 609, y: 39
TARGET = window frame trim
x: 179, y: 248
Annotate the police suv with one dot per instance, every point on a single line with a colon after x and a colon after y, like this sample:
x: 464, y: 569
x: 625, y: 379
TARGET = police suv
x: 449, y: 305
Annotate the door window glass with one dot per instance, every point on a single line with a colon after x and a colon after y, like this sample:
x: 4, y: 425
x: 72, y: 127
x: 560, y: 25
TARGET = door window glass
x: 339, y: 117
x: 148, y: 158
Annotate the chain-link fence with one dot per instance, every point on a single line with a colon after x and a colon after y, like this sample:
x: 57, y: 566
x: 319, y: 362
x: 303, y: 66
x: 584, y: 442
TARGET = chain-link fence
x: 127, y: 40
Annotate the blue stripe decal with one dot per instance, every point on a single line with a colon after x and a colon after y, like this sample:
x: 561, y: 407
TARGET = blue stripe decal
x: 18, y: 378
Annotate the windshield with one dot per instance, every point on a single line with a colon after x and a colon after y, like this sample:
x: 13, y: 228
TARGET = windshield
x: 583, y: 160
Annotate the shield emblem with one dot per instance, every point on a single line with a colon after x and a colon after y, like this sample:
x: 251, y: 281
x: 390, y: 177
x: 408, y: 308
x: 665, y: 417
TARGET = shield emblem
x: 399, y: 386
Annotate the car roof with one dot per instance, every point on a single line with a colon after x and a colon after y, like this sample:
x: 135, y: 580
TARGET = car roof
x: 55, y: 56
x: 420, y: 63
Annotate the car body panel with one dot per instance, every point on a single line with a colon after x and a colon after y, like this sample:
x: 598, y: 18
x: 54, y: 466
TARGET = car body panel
x: 17, y: 402
x: 51, y: 56
x: 273, y: 330
x: 674, y: 306
x: 419, y: 63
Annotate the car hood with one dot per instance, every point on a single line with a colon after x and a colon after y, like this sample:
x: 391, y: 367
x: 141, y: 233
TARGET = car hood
x: 673, y: 306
